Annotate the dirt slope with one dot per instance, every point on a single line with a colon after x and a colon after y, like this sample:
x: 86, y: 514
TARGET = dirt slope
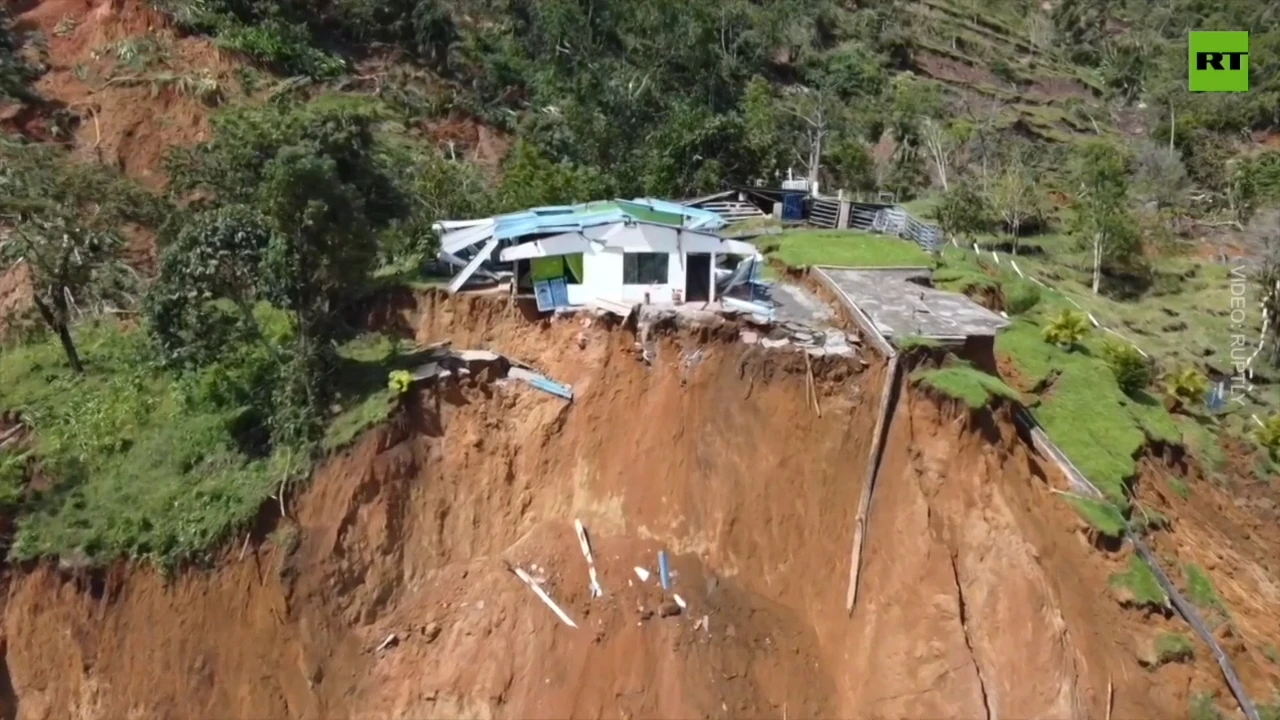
x: 128, y: 119
x: 408, y: 532
x: 982, y: 596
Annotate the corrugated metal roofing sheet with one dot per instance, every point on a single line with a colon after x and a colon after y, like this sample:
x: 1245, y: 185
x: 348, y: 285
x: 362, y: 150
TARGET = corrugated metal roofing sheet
x: 570, y: 218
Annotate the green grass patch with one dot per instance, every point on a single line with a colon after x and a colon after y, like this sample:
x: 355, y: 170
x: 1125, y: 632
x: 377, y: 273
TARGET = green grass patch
x: 1270, y: 710
x: 139, y: 471
x: 1084, y: 411
x: 1137, y: 585
x: 800, y: 248
x: 1200, y: 588
x: 913, y: 342
x: 1174, y: 647
x: 1019, y: 295
x: 364, y: 396
x: 1204, y: 706
x: 1149, y: 518
x: 963, y: 279
x: 1103, y: 516
x: 1179, y: 486
x: 969, y: 385
x: 1199, y: 436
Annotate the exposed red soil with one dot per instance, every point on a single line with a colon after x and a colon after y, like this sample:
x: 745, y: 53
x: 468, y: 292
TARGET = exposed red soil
x: 130, y: 126
x: 1040, y: 90
x: 472, y: 139
x: 953, y: 71
x: 1230, y: 531
x: 983, y: 594
x: 1019, y: 617
x: 1047, y: 90
x: 408, y: 532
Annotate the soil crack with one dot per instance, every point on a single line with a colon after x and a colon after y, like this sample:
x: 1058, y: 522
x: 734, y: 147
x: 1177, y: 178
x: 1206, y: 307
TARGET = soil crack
x: 968, y: 640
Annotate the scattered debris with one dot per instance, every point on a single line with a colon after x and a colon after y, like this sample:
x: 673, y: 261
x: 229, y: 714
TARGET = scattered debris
x: 544, y: 597
x: 431, y: 632
x: 664, y: 569
x: 669, y: 610
x: 391, y: 641
x: 680, y: 601
x: 642, y: 574
x: 596, y: 590
x: 703, y: 624
x: 749, y: 337
x: 542, y: 383
x: 759, y: 309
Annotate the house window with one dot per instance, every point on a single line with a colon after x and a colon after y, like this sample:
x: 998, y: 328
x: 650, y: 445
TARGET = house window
x: 644, y: 268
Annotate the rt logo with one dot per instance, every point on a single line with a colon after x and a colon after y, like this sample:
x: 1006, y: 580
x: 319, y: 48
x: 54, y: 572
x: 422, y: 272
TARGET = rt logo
x: 1218, y: 62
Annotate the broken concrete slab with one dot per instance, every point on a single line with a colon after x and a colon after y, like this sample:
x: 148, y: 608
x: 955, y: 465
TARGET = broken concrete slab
x: 900, y: 304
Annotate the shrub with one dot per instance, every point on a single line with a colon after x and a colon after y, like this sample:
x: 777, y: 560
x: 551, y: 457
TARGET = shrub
x: 1186, y: 387
x: 1132, y: 370
x: 399, y: 381
x: 1067, y: 329
x: 1268, y: 436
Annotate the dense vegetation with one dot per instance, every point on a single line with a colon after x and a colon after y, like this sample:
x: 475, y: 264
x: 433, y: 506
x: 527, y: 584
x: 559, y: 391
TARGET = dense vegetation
x: 235, y: 365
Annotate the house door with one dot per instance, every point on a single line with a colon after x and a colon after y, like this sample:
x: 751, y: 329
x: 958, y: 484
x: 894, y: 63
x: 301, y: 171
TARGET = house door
x: 697, y: 278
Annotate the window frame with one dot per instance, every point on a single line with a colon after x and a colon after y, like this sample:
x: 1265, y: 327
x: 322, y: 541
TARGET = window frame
x: 642, y: 261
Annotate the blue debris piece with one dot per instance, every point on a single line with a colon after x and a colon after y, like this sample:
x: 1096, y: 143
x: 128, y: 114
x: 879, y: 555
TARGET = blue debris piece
x: 664, y: 569
x: 542, y: 383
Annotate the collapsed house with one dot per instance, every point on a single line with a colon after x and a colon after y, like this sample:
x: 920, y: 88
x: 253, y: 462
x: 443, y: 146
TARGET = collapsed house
x: 611, y: 254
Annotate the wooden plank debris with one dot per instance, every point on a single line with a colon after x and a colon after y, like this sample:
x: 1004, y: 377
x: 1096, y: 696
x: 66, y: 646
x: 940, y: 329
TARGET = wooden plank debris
x: 585, y: 542
x: 544, y: 597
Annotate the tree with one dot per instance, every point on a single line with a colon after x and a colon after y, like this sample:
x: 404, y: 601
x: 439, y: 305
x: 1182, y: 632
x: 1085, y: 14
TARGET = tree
x: 1269, y: 283
x: 1241, y: 191
x: 16, y: 73
x: 962, y: 212
x: 297, y: 199
x: 65, y: 221
x: 938, y: 143
x: 762, y: 127
x: 814, y: 108
x: 531, y: 179
x: 1013, y: 196
x: 1101, y: 214
x: 850, y: 165
x: 1159, y: 174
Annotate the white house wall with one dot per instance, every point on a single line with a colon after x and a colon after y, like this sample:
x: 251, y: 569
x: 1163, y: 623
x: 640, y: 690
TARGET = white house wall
x: 602, y: 262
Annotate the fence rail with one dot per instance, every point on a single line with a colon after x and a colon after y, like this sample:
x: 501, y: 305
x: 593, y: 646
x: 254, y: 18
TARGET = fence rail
x: 885, y: 219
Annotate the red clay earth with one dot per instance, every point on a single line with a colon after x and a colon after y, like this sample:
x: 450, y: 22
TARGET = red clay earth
x: 983, y: 594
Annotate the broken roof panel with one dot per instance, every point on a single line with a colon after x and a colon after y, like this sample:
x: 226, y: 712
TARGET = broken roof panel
x: 459, y: 235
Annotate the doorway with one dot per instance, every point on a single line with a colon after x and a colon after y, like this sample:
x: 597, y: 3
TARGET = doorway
x: 697, y: 278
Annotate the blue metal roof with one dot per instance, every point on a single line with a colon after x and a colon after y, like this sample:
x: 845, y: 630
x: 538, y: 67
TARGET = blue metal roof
x: 569, y: 218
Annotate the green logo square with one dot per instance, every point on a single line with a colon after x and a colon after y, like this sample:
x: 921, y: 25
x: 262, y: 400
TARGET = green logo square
x: 1218, y: 61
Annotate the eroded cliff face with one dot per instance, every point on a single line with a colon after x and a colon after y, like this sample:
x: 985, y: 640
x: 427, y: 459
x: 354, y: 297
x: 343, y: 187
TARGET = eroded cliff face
x: 981, y: 595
